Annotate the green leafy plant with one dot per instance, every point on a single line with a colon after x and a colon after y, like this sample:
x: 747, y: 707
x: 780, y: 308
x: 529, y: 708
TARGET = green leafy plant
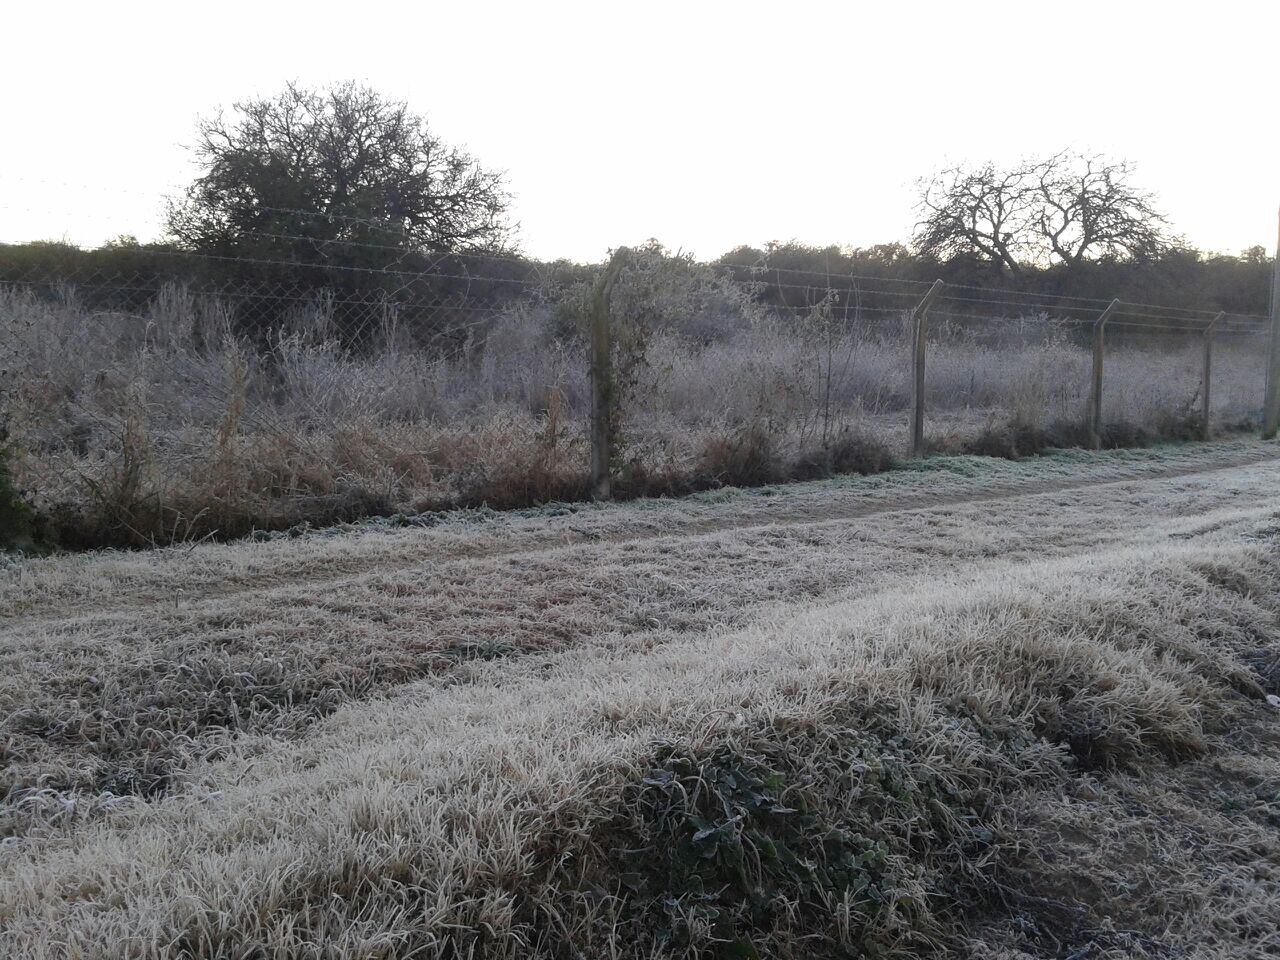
x: 741, y: 845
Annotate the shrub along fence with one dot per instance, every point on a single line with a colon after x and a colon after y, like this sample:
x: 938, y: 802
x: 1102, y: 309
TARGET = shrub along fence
x: 167, y: 396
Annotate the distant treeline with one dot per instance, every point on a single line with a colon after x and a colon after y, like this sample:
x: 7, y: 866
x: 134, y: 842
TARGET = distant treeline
x: 1183, y: 278
x: 437, y: 292
x: 434, y: 295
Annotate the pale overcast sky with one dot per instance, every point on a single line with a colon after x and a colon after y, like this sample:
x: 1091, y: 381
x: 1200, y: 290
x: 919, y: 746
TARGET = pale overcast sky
x: 705, y: 124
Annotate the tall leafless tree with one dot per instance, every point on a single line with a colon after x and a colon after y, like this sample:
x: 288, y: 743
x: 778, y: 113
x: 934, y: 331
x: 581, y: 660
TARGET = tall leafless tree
x: 1088, y: 208
x: 1066, y: 209
x: 985, y: 211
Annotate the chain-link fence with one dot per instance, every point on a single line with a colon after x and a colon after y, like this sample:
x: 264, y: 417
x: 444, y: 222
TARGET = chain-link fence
x: 839, y: 372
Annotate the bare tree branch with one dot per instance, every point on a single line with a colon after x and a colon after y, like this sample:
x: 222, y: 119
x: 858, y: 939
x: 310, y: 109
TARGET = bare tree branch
x: 1089, y: 210
x: 1066, y: 209
x: 984, y: 211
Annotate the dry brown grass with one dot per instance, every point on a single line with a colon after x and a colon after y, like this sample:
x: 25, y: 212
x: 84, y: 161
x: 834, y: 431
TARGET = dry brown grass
x: 132, y: 430
x: 1029, y: 727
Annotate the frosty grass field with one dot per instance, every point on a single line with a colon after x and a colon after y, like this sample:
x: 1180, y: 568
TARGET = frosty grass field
x: 968, y: 707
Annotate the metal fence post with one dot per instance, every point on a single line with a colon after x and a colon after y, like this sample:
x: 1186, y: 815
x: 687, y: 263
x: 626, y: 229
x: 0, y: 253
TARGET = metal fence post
x: 602, y: 385
x: 1208, y: 371
x: 917, y: 351
x: 1095, y: 400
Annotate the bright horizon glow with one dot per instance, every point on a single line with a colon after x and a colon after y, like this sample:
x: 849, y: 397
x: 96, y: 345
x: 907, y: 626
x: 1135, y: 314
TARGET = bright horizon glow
x: 706, y: 126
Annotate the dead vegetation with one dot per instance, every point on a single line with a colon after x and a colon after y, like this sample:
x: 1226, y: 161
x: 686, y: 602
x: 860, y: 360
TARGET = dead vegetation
x: 168, y: 424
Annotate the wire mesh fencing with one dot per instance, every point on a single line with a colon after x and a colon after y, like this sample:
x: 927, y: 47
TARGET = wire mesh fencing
x: 923, y: 366
x: 153, y: 395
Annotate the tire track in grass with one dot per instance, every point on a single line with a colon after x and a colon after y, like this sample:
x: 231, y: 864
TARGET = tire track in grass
x: 407, y: 550
x: 116, y: 703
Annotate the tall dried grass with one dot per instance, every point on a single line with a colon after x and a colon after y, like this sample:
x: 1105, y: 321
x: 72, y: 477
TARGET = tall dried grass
x: 135, y: 428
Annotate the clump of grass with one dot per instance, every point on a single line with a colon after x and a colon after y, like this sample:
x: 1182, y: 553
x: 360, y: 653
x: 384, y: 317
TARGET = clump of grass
x: 1020, y: 437
x: 883, y: 829
x: 849, y: 451
x: 734, y: 853
x: 747, y: 457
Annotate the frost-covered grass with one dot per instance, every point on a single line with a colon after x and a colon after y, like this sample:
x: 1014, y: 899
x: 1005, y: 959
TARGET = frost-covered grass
x: 976, y: 708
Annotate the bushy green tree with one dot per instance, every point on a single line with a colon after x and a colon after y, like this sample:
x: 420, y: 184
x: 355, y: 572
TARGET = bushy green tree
x: 341, y: 175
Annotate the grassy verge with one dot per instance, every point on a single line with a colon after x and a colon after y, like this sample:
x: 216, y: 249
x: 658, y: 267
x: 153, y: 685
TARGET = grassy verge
x: 249, y: 490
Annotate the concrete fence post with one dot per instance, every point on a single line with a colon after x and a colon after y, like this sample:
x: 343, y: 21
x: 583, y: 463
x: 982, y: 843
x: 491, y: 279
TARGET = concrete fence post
x: 1095, y: 399
x: 1206, y: 376
x: 1271, y: 399
x: 918, y: 316
x: 603, y: 392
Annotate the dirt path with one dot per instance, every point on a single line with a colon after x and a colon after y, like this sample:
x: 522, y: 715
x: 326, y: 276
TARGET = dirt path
x: 95, y: 586
x: 114, y: 677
